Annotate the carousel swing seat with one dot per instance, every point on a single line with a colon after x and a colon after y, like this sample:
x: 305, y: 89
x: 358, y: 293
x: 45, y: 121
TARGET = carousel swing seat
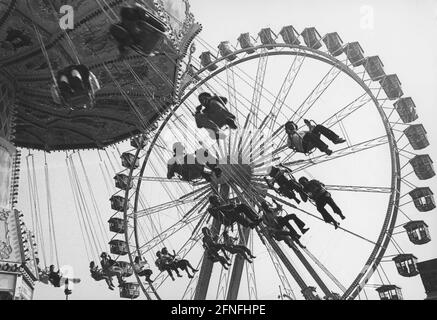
x: 138, y: 28
x: 75, y: 87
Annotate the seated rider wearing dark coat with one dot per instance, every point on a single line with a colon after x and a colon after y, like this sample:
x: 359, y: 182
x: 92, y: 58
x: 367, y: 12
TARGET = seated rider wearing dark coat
x: 98, y: 275
x: 212, y: 248
x: 306, y: 141
x: 316, y: 191
x: 287, y: 186
x: 230, y: 213
x: 212, y: 113
x: 230, y: 244
x: 138, y: 27
x: 185, y: 165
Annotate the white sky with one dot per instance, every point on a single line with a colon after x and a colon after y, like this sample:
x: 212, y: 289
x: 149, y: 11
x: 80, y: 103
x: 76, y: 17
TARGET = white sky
x: 401, y: 35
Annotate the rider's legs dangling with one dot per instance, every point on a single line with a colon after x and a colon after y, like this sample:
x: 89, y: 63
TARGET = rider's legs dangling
x: 299, y: 223
x: 334, y: 207
x: 313, y: 140
x: 328, y: 133
x: 320, y: 203
x: 248, y: 212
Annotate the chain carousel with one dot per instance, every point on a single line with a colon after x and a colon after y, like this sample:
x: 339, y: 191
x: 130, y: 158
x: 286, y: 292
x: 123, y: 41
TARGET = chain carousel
x: 215, y: 150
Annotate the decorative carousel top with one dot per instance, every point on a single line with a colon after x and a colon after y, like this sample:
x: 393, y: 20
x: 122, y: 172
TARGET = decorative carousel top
x: 80, y: 87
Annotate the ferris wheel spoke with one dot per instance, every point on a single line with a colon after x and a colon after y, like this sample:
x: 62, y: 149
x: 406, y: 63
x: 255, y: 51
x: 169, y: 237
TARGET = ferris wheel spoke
x: 359, y: 147
x: 311, y: 271
x: 161, y: 180
x: 367, y: 189
x: 346, y: 111
x: 325, y: 270
x: 232, y: 91
x: 285, y: 261
x: 282, y: 95
x: 258, y: 87
x: 168, y: 233
x: 317, y: 92
x: 161, y: 207
x: 288, y: 291
x: 280, y: 200
x: 196, y: 194
x: 189, y: 217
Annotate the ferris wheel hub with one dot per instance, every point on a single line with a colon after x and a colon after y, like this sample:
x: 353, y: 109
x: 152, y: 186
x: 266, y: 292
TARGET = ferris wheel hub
x: 233, y: 173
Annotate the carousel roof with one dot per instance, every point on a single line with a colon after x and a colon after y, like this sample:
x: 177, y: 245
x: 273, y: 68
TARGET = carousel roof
x: 41, y: 123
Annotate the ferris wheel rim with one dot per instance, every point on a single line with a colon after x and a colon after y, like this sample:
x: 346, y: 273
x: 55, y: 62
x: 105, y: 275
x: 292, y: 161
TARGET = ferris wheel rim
x: 391, y: 212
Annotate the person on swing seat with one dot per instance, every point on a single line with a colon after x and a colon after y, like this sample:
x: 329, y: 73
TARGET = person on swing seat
x: 187, y: 166
x: 212, y: 114
x: 98, y: 275
x: 56, y: 278
x: 317, y: 192
x: 76, y: 85
x: 306, y: 141
x: 230, y: 213
x: 212, y: 248
x: 138, y: 28
x: 287, y: 187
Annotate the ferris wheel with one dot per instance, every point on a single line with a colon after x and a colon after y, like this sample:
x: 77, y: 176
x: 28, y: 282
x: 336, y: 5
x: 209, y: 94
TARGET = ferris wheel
x: 268, y: 81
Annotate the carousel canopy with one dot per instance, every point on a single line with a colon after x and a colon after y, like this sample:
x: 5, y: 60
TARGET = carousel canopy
x: 135, y: 89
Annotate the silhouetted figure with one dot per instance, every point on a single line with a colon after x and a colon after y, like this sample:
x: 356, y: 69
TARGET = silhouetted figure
x: 182, y: 264
x: 98, y: 275
x: 279, y: 227
x: 165, y: 264
x: 306, y: 141
x: 111, y: 268
x: 212, y: 248
x: 287, y: 187
x: 142, y: 268
x: 230, y: 213
x: 185, y: 165
x: 232, y: 247
x: 318, y: 193
x: 56, y: 278
x: 139, y: 28
x: 213, y: 115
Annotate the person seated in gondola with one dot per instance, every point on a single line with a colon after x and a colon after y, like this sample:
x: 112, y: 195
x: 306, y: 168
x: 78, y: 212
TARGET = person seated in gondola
x: 98, y: 275
x: 141, y: 267
x: 185, y: 165
x: 316, y: 191
x: 182, y: 264
x: 306, y: 141
x: 287, y: 187
x: 212, y: 248
x: 139, y: 28
x: 165, y: 264
x: 110, y: 267
x: 213, y: 115
x: 56, y: 278
x: 230, y: 244
x: 77, y: 87
x: 279, y: 227
x: 230, y: 213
